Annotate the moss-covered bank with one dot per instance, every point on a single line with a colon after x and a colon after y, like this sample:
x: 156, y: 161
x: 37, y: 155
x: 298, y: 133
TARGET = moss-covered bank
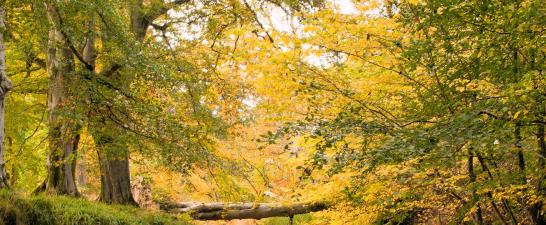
x: 59, y: 210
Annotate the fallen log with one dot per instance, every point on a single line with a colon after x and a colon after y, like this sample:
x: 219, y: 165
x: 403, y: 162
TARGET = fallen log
x: 230, y: 211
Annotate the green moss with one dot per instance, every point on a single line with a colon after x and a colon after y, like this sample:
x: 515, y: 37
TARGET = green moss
x: 60, y: 210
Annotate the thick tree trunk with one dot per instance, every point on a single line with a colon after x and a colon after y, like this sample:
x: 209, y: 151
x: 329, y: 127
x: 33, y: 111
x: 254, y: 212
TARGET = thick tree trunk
x: 63, y: 130
x: 231, y: 211
x: 114, y: 161
x: 114, y: 164
x: 5, y: 87
x: 115, y: 176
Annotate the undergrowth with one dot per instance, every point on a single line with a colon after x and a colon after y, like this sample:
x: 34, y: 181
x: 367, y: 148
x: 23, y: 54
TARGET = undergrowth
x: 59, y: 210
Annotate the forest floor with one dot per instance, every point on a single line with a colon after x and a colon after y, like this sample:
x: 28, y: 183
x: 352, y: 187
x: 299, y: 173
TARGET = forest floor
x: 58, y: 210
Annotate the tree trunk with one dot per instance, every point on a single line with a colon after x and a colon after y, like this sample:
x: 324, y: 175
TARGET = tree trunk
x: 5, y: 87
x: 113, y: 157
x: 536, y: 209
x: 139, y: 22
x: 63, y: 130
x: 115, y: 176
x: 521, y: 157
x: 114, y: 164
x: 485, y: 168
x: 231, y: 211
x: 533, y: 210
x: 475, y: 198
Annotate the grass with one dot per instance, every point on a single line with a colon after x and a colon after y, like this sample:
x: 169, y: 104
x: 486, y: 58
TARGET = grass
x: 60, y: 210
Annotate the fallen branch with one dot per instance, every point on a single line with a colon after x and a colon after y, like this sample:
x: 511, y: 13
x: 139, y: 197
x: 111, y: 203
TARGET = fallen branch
x: 230, y: 211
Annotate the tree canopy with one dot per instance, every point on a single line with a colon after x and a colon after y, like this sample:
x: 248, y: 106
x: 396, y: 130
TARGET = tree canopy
x: 370, y: 112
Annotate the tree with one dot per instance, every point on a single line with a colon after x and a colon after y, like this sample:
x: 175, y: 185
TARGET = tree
x: 5, y: 87
x: 113, y: 153
x: 445, y: 76
x: 419, y: 110
x: 110, y: 131
x: 63, y: 129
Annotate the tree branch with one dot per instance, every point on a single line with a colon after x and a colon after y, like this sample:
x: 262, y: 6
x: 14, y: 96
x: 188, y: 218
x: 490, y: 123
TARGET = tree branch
x: 78, y: 55
x: 258, y: 21
x: 154, y: 14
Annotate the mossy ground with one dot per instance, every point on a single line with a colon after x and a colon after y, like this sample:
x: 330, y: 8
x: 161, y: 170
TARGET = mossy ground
x: 59, y: 210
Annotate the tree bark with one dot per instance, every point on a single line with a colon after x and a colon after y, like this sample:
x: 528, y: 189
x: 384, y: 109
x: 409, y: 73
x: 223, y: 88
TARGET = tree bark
x: 113, y: 157
x: 63, y: 130
x: 231, y: 211
x: 5, y: 87
x: 115, y: 176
